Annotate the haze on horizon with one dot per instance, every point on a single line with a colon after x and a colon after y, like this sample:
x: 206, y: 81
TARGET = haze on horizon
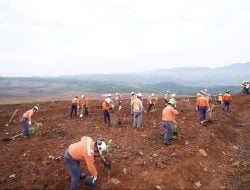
x: 61, y: 37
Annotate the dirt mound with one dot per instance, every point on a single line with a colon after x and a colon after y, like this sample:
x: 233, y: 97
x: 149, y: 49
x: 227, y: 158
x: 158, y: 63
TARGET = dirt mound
x: 211, y: 157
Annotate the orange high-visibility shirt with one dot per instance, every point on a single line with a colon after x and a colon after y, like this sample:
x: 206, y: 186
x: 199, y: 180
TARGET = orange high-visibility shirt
x: 152, y: 100
x: 198, y: 95
x: 105, y: 106
x: 28, y: 114
x: 168, y: 113
x: 75, y: 101
x: 84, y: 150
x: 227, y: 97
x: 202, y: 101
x: 220, y: 98
x: 137, y: 105
x: 119, y: 97
x: 85, y: 102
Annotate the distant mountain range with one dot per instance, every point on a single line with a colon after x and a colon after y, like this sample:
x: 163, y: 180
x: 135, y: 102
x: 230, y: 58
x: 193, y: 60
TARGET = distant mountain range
x: 185, y: 80
x: 189, y: 76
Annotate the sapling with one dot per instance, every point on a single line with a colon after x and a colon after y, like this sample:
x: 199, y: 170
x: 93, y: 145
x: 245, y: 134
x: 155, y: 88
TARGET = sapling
x: 38, y: 127
x: 210, y: 111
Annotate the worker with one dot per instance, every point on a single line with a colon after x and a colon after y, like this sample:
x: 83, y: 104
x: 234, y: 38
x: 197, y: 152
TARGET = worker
x: 168, y: 119
x: 74, y: 106
x: 26, y: 120
x: 85, y: 105
x: 227, y: 98
x: 173, y: 100
x: 119, y: 99
x: 198, y: 95
x: 247, y: 87
x: 132, y: 97
x: 167, y: 97
x: 152, y: 102
x: 202, y: 105
x: 220, y: 99
x: 137, y: 109
x: 83, y: 150
x: 105, y: 109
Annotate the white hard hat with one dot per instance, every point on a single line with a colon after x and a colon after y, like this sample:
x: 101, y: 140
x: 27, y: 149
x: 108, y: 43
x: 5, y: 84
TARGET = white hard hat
x: 205, y: 90
x: 173, y: 95
x: 139, y: 94
x: 108, y: 100
x: 171, y: 101
x: 152, y: 94
x: 132, y: 93
x: 83, y: 96
x: 117, y: 94
x: 35, y: 108
x: 168, y: 92
x: 101, y: 146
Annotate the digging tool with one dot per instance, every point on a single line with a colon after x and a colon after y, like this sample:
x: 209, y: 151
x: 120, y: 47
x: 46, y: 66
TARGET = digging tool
x: 107, y: 166
x: 7, y: 124
x: 12, y: 138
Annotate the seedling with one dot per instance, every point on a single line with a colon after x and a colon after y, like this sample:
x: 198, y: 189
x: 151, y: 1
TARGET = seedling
x: 37, y: 128
x: 210, y: 111
x: 187, y: 101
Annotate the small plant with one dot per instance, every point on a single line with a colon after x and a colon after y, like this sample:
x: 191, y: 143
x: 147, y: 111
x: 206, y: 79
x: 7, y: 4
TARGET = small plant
x: 210, y: 111
x: 38, y: 127
x: 110, y: 146
x: 187, y: 101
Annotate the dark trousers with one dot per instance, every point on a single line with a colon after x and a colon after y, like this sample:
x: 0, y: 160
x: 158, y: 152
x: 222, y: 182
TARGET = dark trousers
x: 86, y: 110
x: 74, y: 168
x: 73, y: 109
x: 168, y: 131
x: 226, y: 105
x: 202, y: 111
x: 25, y: 123
x: 106, y: 116
x: 150, y: 106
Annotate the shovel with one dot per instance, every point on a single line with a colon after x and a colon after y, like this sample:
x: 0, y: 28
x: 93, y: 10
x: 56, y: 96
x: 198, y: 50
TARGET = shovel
x: 12, y: 138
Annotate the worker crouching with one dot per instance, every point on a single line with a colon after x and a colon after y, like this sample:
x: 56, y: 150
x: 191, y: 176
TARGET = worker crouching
x: 26, y: 120
x: 83, y: 150
x: 168, y: 119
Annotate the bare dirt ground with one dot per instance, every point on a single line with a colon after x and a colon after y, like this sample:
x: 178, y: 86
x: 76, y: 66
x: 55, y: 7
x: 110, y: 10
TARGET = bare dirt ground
x: 140, y: 161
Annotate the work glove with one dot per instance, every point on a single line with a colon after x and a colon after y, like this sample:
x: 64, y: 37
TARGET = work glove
x: 90, y: 180
x: 196, y: 109
x: 29, y: 122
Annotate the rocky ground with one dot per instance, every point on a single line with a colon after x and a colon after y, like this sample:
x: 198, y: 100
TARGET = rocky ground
x: 211, y: 157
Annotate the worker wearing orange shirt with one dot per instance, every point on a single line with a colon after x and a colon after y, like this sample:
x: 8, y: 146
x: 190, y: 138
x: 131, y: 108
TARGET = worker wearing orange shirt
x: 202, y: 104
x: 220, y: 99
x: 26, y: 120
x: 168, y: 115
x: 85, y: 105
x: 227, y: 98
x: 74, y: 105
x: 119, y: 99
x: 152, y: 102
x: 105, y: 109
x: 83, y: 150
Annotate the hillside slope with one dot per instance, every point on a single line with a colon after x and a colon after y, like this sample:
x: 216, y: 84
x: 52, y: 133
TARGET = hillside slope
x: 140, y: 161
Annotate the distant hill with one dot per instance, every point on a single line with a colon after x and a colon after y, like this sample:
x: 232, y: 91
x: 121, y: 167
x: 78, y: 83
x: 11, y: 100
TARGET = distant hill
x: 189, y: 76
x: 185, y: 80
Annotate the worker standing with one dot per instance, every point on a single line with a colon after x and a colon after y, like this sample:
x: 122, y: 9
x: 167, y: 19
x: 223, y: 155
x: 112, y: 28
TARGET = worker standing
x: 105, y: 109
x: 173, y: 100
x: 119, y: 99
x: 152, y: 102
x: 167, y: 97
x: 83, y: 150
x: 220, y: 99
x: 202, y: 104
x: 132, y: 97
x: 137, y: 109
x: 26, y: 120
x: 74, y: 106
x: 85, y: 105
x: 227, y: 98
x: 168, y: 119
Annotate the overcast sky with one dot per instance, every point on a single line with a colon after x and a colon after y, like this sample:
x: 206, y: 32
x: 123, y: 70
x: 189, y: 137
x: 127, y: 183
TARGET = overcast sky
x: 65, y: 37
